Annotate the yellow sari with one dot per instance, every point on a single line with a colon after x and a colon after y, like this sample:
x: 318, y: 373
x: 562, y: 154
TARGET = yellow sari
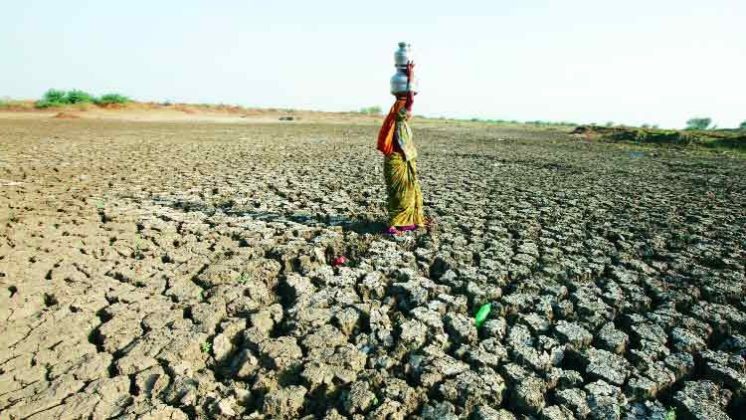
x: 400, y: 172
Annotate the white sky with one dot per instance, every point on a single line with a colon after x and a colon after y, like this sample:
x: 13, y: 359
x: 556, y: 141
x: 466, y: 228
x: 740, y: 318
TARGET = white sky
x: 653, y: 61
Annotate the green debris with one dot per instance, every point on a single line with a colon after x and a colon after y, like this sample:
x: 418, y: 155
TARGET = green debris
x: 482, y: 314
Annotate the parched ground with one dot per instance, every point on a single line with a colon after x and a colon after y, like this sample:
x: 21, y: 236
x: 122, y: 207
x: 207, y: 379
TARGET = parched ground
x: 183, y: 270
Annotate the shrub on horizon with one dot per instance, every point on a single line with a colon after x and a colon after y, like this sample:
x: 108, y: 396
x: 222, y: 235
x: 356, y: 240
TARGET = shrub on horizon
x: 112, y: 98
x: 371, y: 110
x: 54, y: 96
x: 698, y: 123
x: 77, y: 96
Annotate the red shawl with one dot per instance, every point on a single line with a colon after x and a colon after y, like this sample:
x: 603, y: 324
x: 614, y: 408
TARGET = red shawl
x: 386, y: 135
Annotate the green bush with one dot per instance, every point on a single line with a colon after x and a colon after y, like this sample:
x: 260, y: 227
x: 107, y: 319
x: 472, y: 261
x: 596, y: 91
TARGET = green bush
x: 742, y: 126
x: 371, y: 110
x: 78, y: 97
x: 698, y: 123
x: 51, y: 98
x: 54, y: 96
x: 43, y: 104
x: 112, y: 98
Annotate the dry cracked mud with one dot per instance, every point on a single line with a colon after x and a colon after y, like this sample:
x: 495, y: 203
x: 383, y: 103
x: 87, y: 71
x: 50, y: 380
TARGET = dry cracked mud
x: 155, y: 270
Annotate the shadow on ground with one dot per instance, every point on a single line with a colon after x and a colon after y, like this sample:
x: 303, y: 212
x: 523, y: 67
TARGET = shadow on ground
x: 346, y: 222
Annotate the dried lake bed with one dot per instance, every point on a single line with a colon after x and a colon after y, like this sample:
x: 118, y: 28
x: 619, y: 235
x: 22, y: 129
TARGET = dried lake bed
x: 184, y: 270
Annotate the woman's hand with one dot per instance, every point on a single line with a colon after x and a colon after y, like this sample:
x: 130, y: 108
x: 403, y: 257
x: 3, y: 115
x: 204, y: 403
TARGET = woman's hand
x: 410, y: 71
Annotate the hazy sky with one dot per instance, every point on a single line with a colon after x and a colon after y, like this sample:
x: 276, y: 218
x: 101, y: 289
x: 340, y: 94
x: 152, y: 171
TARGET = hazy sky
x: 634, y: 61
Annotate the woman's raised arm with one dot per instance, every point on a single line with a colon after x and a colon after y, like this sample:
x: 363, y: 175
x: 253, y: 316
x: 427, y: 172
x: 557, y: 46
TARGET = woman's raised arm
x: 410, y: 94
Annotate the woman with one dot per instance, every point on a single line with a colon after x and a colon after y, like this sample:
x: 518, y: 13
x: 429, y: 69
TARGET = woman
x: 399, y: 165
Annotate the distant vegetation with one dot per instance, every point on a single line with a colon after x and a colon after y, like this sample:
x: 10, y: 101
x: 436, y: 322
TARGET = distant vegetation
x: 55, y: 98
x: 536, y: 123
x: 112, y: 98
x: 698, y: 123
x: 731, y: 139
x: 58, y: 98
x: 371, y: 110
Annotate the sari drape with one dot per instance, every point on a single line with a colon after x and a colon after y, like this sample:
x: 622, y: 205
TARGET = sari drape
x: 404, y: 194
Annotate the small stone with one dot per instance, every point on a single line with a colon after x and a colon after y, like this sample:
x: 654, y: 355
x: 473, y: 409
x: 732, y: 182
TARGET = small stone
x: 489, y: 353
x: 495, y: 328
x: 470, y: 389
x: 573, y: 333
x: 611, y: 339
x: 535, y: 322
x: 413, y: 333
x: 648, y: 331
x: 605, y: 365
x: 151, y: 381
x: 285, y: 402
x: 244, y: 365
x: 460, y: 328
x: 726, y: 375
x: 702, y: 400
x: 359, y: 398
x: 347, y: 320
x: 686, y: 341
x: 484, y: 412
x: 569, y: 379
x: 222, y: 347
x: 557, y: 412
x: 439, y: 411
x: 528, y: 395
x: 281, y: 352
x: 681, y: 364
x: 647, y: 410
x: 604, y: 400
x: 575, y: 400
x: 641, y: 388
x: 225, y: 407
x: 660, y: 375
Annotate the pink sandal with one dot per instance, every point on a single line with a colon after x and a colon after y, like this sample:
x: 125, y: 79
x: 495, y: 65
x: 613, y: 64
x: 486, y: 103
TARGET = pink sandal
x: 392, y: 230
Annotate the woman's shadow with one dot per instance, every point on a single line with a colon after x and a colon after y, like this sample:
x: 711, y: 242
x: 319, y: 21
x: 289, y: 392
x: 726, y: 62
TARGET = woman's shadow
x: 348, y: 223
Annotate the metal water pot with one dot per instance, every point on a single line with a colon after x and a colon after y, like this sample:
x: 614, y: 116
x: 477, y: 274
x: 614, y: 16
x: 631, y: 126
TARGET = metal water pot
x: 402, y: 56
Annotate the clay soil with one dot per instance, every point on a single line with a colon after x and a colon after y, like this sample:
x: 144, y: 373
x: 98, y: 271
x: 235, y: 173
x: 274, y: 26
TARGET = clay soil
x: 184, y: 270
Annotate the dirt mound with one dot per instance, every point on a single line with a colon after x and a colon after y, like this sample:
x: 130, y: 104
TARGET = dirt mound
x: 185, y: 109
x: 66, y: 116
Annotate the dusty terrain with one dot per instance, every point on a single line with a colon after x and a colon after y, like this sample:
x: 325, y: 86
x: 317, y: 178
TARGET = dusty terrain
x: 182, y: 270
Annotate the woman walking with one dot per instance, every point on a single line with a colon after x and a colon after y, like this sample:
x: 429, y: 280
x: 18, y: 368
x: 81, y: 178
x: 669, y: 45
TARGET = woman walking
x: 405, y: 211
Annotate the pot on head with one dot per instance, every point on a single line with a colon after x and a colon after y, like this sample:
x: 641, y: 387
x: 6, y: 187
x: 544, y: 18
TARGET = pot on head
x: 402, y: 57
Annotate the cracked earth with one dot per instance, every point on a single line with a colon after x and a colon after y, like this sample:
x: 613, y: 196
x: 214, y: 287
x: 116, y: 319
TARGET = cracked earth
x: 182, y: 271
